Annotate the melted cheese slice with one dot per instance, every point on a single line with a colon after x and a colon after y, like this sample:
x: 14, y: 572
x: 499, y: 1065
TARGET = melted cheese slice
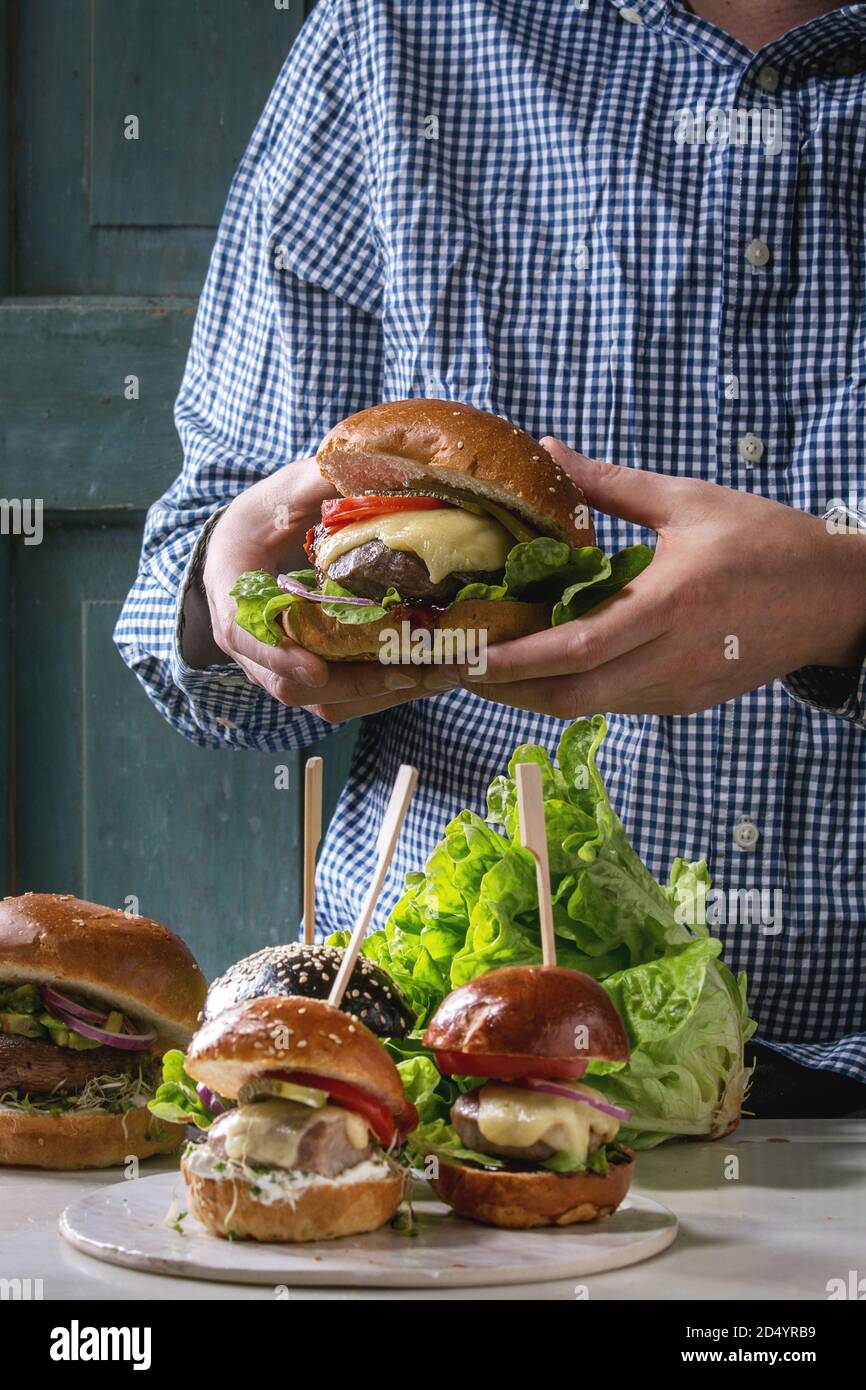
x: 511, y: 1117
x: 447, y: 541
x: 268, y: 1132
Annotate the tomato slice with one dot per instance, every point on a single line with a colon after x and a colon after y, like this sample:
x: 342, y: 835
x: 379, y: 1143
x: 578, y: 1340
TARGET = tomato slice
x: 342, y: 511
x: 510, y: 1068
x: 377, y: 1114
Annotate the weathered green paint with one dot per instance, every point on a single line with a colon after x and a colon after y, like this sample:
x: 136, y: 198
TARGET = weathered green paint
x: 111, y: 803
x: 107, y: 800
x: 134, y: 75
x: 70, y: 435
x: 204, y: 72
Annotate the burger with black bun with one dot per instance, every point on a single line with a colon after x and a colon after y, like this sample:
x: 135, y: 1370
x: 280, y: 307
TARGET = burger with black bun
x: 307, y: 1151
x: 90, y: 998
x: 545, y: 1141
x: 297, y: 968
x: 449, y: 518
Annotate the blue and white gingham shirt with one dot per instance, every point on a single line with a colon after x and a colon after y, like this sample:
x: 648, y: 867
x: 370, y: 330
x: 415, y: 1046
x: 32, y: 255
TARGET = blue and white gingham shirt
x: 520, y: 205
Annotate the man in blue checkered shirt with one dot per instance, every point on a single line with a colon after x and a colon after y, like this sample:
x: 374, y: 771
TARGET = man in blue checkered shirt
x: 636, y: 231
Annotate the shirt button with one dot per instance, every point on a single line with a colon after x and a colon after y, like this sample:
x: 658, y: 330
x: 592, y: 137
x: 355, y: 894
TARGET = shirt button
x: 631, y: 16
x: 751, y: 448
x: 757, y: 252
x: 746, y: 834
x: 768, y: 78
x: 847, y: 65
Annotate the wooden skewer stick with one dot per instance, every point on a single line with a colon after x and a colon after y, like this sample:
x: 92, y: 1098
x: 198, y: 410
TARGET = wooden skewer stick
x: 386, y: 842
x: 312, y: 836
x: 530, y: 806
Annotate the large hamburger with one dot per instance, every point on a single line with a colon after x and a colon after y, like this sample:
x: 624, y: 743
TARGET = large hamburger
x: 543, y: 1142
x: 449, y: 518
x: 90, y: 998
x: 307, y: 1151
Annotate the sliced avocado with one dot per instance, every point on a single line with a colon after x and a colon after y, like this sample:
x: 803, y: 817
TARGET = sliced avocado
x: 114, y: 1022
x: 78, y: 1043
x: 20, y: 999
x: 61, y: 1034
x: 25, y: 1025
x: 264, y: 1086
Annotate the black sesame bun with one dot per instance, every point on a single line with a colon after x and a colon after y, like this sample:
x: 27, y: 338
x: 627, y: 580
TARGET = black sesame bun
x: 371, y: 994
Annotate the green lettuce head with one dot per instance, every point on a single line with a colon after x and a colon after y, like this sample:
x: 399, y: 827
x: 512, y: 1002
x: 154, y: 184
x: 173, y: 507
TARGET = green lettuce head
x: 474, y: 908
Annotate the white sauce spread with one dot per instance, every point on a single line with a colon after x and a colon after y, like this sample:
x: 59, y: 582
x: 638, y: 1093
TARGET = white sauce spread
x: 278, y: 1185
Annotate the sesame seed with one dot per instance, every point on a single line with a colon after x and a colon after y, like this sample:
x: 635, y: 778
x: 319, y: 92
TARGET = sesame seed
x: 302, y: 1043
x: 460, y: 444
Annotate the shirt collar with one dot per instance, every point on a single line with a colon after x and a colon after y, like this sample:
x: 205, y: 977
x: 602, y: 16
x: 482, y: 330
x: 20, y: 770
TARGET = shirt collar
x: 832, y: 45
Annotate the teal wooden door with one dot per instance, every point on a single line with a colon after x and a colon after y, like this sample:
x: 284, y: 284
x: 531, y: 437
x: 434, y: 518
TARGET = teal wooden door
x: 102, y: 254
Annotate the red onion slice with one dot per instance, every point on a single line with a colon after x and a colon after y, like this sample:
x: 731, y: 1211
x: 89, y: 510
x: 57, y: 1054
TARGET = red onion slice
x: 53, y: 999
x: 125, y: 1042
x: 552, y: 1090
x: 209, y: 1100
x: 294, y: 586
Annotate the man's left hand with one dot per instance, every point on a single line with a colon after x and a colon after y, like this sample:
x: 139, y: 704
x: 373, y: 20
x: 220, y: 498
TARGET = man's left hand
x: 741, y: 590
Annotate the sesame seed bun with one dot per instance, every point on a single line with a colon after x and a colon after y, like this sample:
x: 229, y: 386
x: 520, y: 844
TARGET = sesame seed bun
x: 124, y: 962
x: 524, y: 1200
x: 292, y: 1034
x: 318, y: 1210
x: 298, y: 969
x: 539, y: 1011
x: 418, y: 443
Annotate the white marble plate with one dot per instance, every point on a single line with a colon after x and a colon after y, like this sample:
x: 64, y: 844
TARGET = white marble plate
x: 125, y: 1224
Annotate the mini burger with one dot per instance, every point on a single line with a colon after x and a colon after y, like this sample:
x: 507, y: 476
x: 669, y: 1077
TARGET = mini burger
x: 543, y: 1142
x: 307, y: 1151
x: 449, y: 518
x: 297, y: 968
x: 90, y: 998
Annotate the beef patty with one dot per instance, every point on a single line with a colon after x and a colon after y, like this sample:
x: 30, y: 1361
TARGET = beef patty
x: 369, y: 570
x: 464, y: 1117
x: 38, y: 1068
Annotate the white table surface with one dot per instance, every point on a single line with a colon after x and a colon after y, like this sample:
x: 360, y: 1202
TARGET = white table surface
x: 793, y: 1219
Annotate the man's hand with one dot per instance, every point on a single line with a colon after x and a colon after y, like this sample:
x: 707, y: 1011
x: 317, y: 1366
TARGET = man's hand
x: 264, y: 528
x: 741, y: 590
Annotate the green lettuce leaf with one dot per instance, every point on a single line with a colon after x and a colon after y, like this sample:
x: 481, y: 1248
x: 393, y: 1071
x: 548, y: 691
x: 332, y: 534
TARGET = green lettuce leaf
x: 440, y: 1139
x: 573, y: 580
x: 177, y: 1098
x: 259, y: 599
x: 474, y: 909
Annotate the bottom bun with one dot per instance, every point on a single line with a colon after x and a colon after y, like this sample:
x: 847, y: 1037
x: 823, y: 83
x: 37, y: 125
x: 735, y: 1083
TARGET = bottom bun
x: 83, y: 1140
x: 502, y: 620
x: 523, y: 1200
x: 319, y: 1210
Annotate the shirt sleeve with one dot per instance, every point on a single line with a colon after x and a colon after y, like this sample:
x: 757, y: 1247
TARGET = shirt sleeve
x: 831, y: 689
x: 287, y: 340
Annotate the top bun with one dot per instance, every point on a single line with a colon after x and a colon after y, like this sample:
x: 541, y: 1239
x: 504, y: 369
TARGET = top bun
x: 292, y: 1033
x: 127, y: 963
x: 530, y: 1011
x: 418, y: 443
x: 298, y: 968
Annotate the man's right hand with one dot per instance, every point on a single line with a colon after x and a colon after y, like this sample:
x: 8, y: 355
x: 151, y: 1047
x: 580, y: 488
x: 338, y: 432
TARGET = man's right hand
x: 264, y: 529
